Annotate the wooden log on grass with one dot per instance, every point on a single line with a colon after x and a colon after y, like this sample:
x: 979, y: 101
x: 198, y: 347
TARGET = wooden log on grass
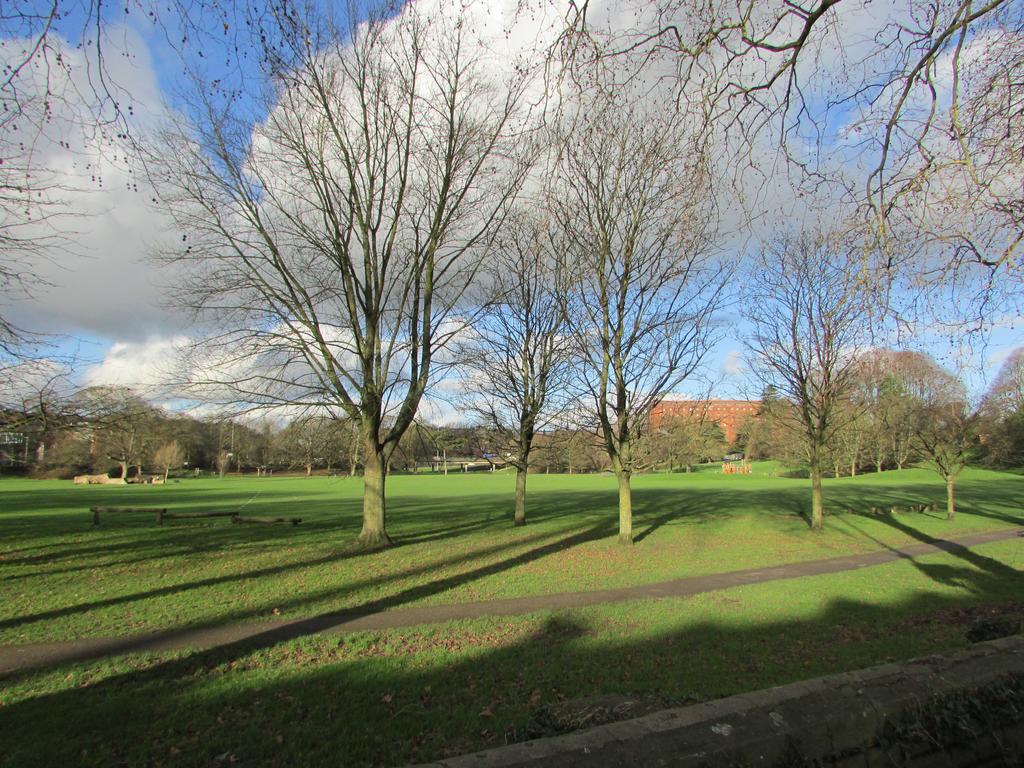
x: 266, y: 520
x: 163, y: 514
x: 148, y: 510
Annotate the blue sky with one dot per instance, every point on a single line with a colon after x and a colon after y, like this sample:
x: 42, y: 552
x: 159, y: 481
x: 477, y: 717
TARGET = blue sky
x: 106, y: 303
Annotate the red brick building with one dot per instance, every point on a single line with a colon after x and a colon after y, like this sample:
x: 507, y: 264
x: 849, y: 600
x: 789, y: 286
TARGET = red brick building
x: 728, y: 414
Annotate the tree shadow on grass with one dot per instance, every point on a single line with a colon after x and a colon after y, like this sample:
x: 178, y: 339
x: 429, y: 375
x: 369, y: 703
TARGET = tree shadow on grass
x: 656, y: 508
x: 414, y: 520
x: 323, y: 621
x: 418, y: 695
x: 979, y: 561
x: 417, y: 523
x: 995, y: 495
x: 653, y: 525
x: 185, y: 545
x: 339, y: 515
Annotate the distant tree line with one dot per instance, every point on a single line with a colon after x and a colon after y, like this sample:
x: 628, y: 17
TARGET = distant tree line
x: 881, y: 418
x: 893, y: 409
x: 113, y: 429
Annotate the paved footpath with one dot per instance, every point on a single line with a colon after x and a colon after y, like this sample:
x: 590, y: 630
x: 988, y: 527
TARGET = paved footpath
x: 376, y: 617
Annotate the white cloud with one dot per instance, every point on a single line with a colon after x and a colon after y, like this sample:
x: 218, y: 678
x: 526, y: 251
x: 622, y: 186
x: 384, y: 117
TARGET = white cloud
x: 733, y: 363
x: 101, y: 282
x: 147, y: 366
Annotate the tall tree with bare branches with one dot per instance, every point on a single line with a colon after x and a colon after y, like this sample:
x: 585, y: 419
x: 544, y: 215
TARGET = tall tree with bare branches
x: 517, y: 357
x: 331, y: 242
x: 809, y: 314
x: 634, y: 207
x: 943, y: 426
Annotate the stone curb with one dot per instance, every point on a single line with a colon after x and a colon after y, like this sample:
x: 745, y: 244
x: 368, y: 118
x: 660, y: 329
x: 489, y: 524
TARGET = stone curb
x: 837, y: 715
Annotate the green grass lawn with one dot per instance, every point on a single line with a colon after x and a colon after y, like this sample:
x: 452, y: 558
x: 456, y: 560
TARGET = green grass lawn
x: 63, y: 579
x: 419, y: 693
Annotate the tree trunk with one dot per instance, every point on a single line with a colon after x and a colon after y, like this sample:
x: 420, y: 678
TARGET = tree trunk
x: 950, y: 506
x: 817, y: 513
x: 167, y: 471
x: 374, y: 532
x: 520, y: 517
x: 309, y: 470
x: 625, y: 508
x: 353, y: 458
x: 124, y: 470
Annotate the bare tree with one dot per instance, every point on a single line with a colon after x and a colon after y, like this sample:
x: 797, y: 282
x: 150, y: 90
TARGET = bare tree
x: 63, y: 104
x: 168, y: 456
x: 57, y: 106
x: 222, y: 463
x: 121, y: 423
x: 1006, y: 393
x: 688, y: 438
x: 891, y: 384
x: 27, y: 52
x: 943, y: 429
x: 332, y: 242
x: 634, y: 206
x: 809, y: 315
x: 516, y: 358
x: 307, y: 442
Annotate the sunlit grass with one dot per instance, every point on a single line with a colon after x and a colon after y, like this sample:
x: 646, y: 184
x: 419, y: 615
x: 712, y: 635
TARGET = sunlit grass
x: 60, y: 578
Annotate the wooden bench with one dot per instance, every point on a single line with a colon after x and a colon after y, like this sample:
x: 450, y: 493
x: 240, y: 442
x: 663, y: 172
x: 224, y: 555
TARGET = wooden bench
x: 162, y: 514
x: 266, y: 520
x: 107, y: 510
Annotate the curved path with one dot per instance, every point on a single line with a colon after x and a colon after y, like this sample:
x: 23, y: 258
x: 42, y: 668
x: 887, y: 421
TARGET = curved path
x: 371, y: 617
